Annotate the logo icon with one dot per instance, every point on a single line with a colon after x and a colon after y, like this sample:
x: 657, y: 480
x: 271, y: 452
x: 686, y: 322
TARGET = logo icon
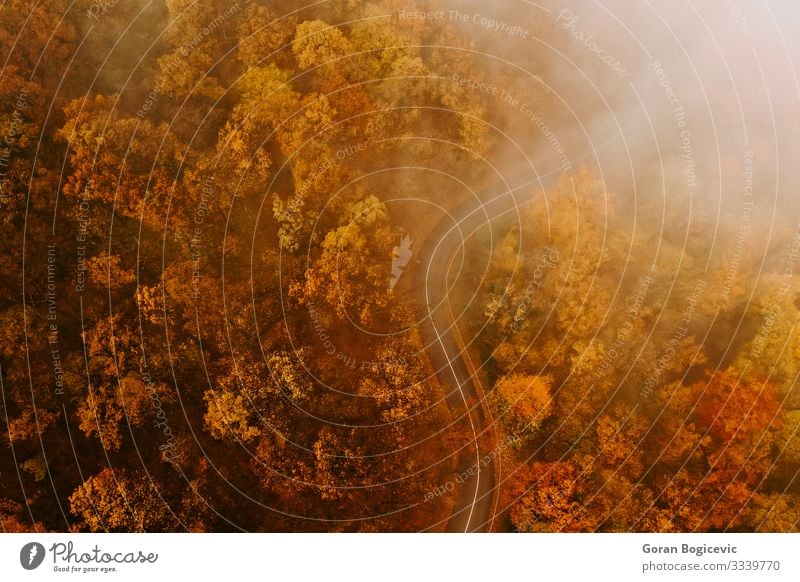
x: 31, y: 555
x: 401, y: 257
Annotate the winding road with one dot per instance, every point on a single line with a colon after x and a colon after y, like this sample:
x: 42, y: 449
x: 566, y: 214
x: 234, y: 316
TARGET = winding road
x: 474, y: 510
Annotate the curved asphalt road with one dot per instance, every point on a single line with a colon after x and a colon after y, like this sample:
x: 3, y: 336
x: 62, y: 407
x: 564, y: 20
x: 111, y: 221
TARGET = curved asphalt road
x: 474, y: 508
x: 473, y: 511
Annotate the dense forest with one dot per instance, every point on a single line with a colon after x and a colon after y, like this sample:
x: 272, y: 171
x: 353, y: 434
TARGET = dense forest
x: 642, y: 385
x: 207, y: 324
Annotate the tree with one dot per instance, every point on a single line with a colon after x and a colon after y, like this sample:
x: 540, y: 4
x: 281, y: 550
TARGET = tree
x: 552, y: 501
x: 318, y: 43
x: 722, y: 431
x: 106, y: 270
x: 351, y: 275
x: 776, y: 512
x: 116, y: 500
x: 523, y: 403
x: 12, y: 522
x: 229, y: 415
x: 265, y: 34
x: 111, y: 405
x: 30, y: 424
x: 122, y: 161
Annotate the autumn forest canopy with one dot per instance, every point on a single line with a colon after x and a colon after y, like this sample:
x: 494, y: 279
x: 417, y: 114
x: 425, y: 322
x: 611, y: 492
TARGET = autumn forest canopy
x: 393, y: 265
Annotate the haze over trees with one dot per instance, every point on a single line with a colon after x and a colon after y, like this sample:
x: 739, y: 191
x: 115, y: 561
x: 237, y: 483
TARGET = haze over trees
x: 627, y: 409
x: 197, y: 329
